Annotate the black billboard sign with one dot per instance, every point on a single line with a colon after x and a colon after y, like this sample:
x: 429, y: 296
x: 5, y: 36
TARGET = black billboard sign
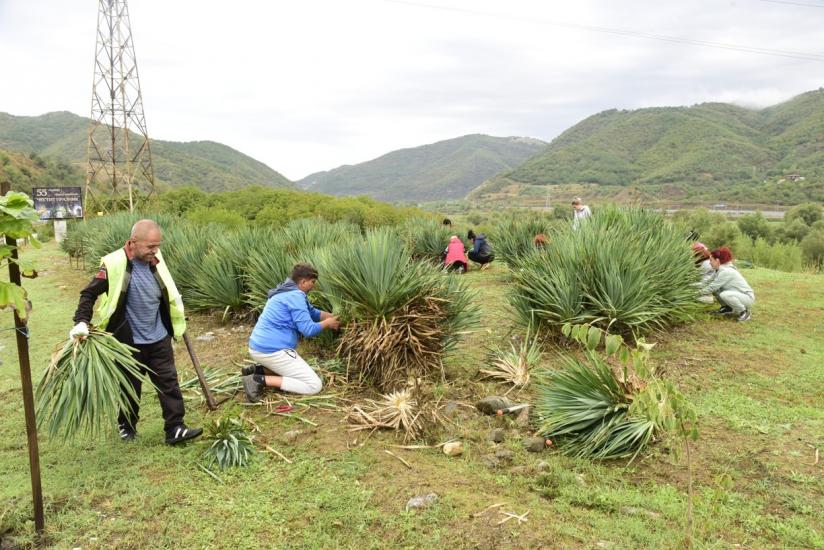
x: 57, y: 203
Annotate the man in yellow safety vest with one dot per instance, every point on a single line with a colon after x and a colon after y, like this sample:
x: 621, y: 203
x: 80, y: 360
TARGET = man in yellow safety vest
x: 141, y: 306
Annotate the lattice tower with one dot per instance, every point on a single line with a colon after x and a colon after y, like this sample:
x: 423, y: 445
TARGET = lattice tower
x: 119, y: 170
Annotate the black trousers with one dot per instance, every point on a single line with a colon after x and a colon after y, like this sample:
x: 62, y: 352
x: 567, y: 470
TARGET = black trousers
x: 477, y: 258
x: 160, y: 359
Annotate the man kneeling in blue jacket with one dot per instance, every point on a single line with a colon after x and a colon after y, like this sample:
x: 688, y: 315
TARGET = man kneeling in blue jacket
x: 287, y: 315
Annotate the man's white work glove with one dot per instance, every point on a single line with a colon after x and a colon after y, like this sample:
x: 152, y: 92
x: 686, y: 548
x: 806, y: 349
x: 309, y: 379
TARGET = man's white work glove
x: 80, y: 330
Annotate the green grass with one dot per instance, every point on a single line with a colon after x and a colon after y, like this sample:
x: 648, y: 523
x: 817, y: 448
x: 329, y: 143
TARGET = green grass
x: 758, y: 398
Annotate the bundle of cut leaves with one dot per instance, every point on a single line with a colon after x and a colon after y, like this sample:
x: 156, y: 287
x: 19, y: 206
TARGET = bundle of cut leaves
x: 230, y: 443
x: 86, y: 386
x: 594, y: 410
x: 398, y: 410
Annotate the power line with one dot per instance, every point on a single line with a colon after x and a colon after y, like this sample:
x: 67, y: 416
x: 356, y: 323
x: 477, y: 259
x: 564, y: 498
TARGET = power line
x: 805, y: 4
x: 806, y: 56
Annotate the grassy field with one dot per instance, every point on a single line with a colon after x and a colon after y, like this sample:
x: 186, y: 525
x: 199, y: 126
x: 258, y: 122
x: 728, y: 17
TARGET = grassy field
x: 757, y: 387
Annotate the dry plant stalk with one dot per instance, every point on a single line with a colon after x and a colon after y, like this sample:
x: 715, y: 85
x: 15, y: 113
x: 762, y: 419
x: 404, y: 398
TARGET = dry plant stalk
x: 388, y: 352
x: 514, y: 365
x: 398, y: 410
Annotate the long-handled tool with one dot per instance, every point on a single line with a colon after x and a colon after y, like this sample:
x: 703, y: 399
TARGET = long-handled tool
x: 210, y: 401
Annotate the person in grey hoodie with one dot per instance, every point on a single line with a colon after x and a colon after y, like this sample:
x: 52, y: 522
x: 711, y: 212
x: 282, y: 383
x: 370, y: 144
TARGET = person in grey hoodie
x: 729, y: 287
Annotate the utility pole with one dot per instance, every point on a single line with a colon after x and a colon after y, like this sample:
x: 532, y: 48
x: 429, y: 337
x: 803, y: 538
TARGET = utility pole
x: 118, y: 152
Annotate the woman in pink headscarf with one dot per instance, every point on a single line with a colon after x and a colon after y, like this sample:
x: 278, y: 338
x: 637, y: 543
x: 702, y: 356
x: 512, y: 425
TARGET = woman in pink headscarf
x: 455, y: 255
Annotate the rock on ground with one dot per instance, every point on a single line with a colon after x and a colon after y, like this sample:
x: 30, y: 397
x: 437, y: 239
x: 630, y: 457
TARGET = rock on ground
x: 421, y: 501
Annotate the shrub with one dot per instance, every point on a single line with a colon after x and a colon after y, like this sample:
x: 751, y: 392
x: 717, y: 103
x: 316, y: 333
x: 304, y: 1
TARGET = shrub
x: 796, y: 229
x: 723, y: 234
x: 781, y: 256
x: 628, y: 269
x: 755, y: 226
x: 809, y: 213
x: 219, y: 216
x: 813, y: 247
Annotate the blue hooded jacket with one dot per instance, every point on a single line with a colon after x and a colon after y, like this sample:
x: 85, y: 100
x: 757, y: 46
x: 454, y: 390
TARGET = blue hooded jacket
x: 287, y: 315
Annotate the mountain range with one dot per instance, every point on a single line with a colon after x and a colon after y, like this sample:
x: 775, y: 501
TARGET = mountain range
x: 444, y: 170
x: 706, y: 152
x: 208, y: 165
x: 713, y: 149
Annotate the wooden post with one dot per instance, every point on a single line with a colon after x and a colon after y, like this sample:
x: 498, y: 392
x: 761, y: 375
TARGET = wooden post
x: 22, y: 333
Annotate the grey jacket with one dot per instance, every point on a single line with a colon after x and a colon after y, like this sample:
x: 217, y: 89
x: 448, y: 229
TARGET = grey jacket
x: 727, y: 277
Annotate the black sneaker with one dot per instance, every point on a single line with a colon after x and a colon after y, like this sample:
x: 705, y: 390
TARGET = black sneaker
x: 745, y: 316
x: 182, y: 433
x: 724, y: 310
x: 252, y: 369
x: 127, y: 433
x: 253, y: 389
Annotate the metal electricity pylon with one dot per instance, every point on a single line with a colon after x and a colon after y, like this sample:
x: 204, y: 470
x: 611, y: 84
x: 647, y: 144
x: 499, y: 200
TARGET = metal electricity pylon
x: 119, y: 172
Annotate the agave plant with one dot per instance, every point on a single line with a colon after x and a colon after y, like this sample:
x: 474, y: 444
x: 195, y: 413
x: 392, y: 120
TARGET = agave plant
x: 230, y: 444
x: 303, y: 235
x: 400, y: 315
x: 588, y: 409
x: 219, y: 280
x: 514, y: 237
x: 86, y: 386
x: 425, y: 239
x: 626, y: 269
x: 513, y: 366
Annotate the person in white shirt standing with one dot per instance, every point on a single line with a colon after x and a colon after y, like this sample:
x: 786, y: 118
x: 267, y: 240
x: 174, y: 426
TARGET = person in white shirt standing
x: 580, y: 212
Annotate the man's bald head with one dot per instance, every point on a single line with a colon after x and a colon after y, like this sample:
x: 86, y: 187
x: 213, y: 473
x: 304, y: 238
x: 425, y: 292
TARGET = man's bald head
x: 144, y: 242
x: 143, y: 228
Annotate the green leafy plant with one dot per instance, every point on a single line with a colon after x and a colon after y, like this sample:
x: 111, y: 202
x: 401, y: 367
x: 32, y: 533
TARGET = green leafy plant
x: 230, y: 444
x: 17, y: 216
x: 86, y: 386
x: 611, y: 404
x: 627, y: 269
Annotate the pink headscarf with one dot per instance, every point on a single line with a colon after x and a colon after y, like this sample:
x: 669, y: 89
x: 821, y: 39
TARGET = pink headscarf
x: 455, y: 251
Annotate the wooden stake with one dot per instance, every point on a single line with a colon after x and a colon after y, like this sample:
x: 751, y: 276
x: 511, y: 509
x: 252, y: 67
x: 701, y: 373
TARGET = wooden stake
x: 210, y: 401
x: 22, y: 333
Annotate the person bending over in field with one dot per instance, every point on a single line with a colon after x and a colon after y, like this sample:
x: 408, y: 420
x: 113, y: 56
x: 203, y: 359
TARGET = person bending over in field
x: 455, y: 259
x: 481, y: 252
x: 702, y: 262
x: 287, y: 316
x: 729, y: 287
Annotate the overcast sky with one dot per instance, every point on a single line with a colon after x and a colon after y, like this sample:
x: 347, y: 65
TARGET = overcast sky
x: 309, y: 85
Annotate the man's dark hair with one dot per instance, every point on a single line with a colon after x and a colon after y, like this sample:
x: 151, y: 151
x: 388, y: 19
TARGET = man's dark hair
x: 301, y: 272
x: 447, y: 221
x: 470, y: 235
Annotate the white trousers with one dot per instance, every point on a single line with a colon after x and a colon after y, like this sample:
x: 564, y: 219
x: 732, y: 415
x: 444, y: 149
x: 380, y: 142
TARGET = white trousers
x: 738, y: 301
x: 298, y: 376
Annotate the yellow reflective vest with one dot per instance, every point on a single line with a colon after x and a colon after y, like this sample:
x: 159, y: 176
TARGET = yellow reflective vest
x: 116, y: 264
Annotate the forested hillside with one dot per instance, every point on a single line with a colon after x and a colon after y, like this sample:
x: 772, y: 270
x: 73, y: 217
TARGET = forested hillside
x: 444, y: 170
x: 713, y: 149
x: 205, y: 164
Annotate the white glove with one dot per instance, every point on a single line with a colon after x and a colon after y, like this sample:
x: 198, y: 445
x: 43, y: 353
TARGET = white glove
x: 80, y: 330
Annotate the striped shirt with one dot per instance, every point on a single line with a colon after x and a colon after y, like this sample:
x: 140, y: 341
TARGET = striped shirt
x: 143, y: 305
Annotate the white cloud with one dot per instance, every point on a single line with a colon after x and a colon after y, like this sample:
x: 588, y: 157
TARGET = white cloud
x: 307, y: 86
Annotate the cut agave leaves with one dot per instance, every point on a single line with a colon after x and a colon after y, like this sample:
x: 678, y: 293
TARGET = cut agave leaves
x: 86, y: 386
